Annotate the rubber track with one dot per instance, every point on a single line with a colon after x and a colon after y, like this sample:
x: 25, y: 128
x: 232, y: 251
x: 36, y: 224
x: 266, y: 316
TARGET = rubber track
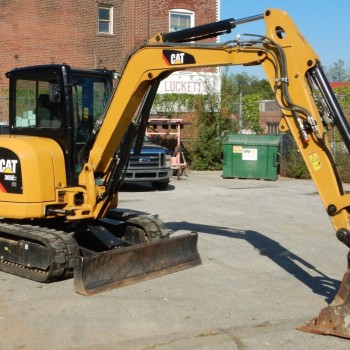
x: 62, y: 246
x: 153, y: 227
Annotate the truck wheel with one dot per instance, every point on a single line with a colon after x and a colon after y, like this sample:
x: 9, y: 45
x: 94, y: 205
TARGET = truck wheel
x: 160, y: 186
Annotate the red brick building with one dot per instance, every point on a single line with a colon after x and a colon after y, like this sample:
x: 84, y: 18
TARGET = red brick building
x: 89, y: 33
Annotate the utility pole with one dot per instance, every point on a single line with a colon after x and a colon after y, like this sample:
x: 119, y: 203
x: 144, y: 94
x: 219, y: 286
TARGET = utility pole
x: 240, y: 112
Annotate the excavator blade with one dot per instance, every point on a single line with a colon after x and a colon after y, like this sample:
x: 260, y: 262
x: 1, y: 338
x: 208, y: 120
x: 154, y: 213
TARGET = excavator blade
x: 123, y: 266
x: 335, y: 318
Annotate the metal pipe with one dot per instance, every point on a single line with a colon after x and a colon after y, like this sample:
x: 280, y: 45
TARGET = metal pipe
x: 332, y: 103
x: 248, y: 19
x: 210, y: 29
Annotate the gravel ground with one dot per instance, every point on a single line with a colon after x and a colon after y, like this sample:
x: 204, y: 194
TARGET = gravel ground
x: 270, y: 262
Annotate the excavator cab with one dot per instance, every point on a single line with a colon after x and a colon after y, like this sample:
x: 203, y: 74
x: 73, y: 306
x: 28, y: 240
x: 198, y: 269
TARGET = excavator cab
x: 60, y: 103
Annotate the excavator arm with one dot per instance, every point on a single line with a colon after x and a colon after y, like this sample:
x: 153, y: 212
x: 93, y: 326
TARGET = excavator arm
x: 307, y: 102
x: 293, y: 70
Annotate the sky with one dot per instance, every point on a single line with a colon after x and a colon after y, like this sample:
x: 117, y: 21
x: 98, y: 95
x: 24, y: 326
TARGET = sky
x: 324, y: 24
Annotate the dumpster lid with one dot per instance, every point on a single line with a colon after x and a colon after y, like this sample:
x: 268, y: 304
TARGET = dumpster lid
x: 252, y: 140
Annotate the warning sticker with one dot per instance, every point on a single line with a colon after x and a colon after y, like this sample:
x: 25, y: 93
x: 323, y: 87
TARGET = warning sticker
x: 315, y: 161
x: 237, y: 149
x: 250, y: 154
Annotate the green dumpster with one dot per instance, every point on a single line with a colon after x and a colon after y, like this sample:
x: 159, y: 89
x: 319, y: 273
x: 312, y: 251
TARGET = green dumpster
x: 251, y: 156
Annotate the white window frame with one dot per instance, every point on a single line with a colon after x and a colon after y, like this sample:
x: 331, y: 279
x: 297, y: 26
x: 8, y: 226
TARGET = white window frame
x: 273, y: 128
x: 109, y: 21
x: 181, y: 12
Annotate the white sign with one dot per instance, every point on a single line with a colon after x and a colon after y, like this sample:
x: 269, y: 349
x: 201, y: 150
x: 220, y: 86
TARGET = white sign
x: 195, y: 83
x: 250, y: 154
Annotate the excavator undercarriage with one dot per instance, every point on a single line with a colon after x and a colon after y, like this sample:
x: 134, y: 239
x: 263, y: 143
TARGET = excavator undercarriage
x: 36, y: 252
x: 119, y: 250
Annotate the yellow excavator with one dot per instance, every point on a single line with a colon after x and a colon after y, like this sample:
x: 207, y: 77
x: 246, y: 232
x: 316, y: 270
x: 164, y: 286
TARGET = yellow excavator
x: 70, y: 137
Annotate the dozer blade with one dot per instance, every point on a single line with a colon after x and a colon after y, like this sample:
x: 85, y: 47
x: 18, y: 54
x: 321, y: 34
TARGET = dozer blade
x: 335, y: 318
x: 124, y: 266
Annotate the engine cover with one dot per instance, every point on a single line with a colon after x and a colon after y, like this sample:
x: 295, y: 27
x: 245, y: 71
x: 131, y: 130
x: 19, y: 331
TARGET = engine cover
x: 31, y: 169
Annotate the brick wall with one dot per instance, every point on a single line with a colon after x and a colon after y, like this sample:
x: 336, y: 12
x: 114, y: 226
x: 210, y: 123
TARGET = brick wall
x: 64, y: 31
x: 56, y: 31
x: 41, y: 32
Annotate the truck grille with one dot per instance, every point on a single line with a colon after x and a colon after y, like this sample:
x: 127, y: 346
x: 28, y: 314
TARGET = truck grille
x: 147, y: 160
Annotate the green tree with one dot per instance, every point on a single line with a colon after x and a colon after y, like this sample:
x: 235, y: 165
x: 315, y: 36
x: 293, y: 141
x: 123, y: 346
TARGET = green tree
x: 343, y: 96
x: 296, y: 166
x: 232, y: 85
x: 170, y: 103
x: 338, y: 72
x: 211, y: 125
x: 340, y: 153
x: 251, y: 113
x: 251, y: 85
x: 229, y: 93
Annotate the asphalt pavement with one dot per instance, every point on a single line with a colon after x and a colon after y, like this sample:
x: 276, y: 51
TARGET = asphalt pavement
x: 271, y: 261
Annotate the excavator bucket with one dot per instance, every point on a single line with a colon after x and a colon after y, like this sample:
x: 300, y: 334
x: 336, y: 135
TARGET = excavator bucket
x: 123, y: 266
x: 335, y: 318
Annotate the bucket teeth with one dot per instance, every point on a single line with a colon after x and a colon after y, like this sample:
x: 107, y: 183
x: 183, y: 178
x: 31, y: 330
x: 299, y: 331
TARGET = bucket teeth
x: 121, y: 267
x: 335, y: 318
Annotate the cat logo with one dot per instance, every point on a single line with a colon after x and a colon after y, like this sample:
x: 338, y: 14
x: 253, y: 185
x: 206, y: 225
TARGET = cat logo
x: 10, y: 172
x: 177, y: 58
x: 173, y: 57
x: 8, y: 166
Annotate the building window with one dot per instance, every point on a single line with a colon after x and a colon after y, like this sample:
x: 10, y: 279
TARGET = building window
x: 273, y: 128
x: 105, y: 20
x: 180, y: 19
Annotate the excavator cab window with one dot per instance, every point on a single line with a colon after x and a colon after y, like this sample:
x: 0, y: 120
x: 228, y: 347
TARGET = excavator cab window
x: 90, y: 95
x: 37, y: 104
